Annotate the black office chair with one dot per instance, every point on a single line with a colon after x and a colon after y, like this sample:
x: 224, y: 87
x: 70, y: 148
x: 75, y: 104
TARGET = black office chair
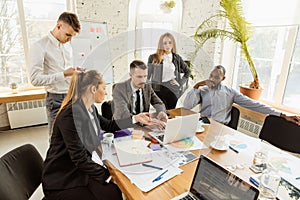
x: 281, y: 133
x: 235, y: 115
x: 107, y: 109
x: 20, y: 173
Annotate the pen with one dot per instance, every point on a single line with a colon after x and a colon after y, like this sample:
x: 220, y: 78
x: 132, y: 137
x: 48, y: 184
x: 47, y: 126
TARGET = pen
x: 254, y: 181
x: 152, y: 166
x: 233, y: 149
x: 159, y: 177
x: 298, y: 178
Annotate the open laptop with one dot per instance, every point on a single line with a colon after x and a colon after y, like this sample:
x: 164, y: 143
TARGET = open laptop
x: 177, y: 129
x: 211, y: 181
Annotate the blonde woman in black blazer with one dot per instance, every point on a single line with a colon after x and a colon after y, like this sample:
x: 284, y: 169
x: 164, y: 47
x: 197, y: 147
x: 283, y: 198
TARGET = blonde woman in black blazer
x: 69, y: 171
x: 164, y: 68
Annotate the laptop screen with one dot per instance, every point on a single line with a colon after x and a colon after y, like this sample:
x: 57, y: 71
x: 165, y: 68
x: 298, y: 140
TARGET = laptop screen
x: 211, y: 181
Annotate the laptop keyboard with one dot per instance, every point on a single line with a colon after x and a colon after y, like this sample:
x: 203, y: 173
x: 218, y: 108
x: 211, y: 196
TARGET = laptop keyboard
x: 187, y: 197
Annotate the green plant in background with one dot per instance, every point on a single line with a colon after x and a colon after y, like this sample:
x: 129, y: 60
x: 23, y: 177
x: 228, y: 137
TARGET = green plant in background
x: 191, y: 66
x: 13, y: 85
x: 168, y: 4
x: 240, y: 31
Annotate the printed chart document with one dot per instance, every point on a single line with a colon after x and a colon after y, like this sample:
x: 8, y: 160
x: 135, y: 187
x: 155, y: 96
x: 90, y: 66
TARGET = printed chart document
x: 133, y: 152
x: 186, y: 144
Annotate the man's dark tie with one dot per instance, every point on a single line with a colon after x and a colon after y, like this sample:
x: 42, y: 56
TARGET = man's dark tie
x: 138, y: 102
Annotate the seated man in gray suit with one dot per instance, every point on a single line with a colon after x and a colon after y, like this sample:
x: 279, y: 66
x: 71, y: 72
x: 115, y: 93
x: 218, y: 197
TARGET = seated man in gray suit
x: 134, y: 95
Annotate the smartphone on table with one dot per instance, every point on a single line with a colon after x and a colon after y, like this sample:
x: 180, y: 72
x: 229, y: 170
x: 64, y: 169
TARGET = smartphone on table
x: 205, y: 120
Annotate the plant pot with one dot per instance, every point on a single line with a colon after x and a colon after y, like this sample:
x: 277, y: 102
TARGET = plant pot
x: 166, y: 9
x: 14, y: 91
x: 250, y: 92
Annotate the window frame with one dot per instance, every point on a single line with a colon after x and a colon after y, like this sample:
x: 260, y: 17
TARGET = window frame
x: 287, y: 61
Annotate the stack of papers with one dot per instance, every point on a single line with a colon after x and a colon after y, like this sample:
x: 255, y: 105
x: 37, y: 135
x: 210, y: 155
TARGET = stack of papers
x: 142, y: 176
x: 127, y: 156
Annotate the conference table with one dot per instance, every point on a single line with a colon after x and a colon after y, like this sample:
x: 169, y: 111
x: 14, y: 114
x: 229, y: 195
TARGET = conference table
x: 228, y: 159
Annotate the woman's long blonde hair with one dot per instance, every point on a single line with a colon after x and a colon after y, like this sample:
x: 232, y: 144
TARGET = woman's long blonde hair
x: 79, y: 84
x: 160, y: 49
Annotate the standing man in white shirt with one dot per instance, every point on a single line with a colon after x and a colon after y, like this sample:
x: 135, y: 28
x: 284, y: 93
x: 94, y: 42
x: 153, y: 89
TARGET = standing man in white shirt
x: 51, y: 63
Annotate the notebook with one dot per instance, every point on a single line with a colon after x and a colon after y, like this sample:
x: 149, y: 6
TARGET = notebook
x: 177, y: 129
x: 132, y: 152
x: 211, y: 181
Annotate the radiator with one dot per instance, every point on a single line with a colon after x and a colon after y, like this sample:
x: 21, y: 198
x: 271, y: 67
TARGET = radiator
x: 249, y: 126
x: 26, y: 113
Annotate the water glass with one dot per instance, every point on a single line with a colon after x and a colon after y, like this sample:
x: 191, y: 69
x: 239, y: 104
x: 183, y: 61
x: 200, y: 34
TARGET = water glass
x: 260, y: 161
x: 269, y: 183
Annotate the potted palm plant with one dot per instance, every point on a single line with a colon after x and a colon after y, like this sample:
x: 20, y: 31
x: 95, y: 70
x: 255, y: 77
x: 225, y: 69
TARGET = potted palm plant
x: 239, y: 31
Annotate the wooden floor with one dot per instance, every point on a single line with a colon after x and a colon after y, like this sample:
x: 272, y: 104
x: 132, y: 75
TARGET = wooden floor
x: 37, y: 136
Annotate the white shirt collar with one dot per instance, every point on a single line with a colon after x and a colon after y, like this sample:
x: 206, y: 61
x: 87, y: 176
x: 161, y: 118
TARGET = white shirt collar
x: 170, y: 56
x: 53, y: 39
x: 133, y: 88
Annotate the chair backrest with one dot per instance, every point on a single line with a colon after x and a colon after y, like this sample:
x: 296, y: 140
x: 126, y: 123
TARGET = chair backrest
x: 235, y: 115
x: 281, y: 133
x: 20, y: 173
x: 107, y: 109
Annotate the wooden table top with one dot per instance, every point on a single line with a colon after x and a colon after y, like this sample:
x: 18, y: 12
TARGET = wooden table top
x: 181, y: 183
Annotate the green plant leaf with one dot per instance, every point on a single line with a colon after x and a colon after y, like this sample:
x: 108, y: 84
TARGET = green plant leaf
x: 240, y: 31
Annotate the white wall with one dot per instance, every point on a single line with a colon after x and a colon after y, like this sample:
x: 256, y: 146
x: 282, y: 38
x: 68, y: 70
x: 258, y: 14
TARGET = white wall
x: 116, y: 13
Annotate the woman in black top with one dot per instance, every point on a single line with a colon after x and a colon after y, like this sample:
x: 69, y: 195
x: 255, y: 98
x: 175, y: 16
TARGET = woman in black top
x: 69, y: 170
x: 164, y: 68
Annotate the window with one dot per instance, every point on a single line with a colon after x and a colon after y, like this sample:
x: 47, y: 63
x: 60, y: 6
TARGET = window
x: 292, y: 92
x: 41, y: 16
x: 23, y: 22
x: 275, y: 49
x: 154, y: 19
x: 11, y: 45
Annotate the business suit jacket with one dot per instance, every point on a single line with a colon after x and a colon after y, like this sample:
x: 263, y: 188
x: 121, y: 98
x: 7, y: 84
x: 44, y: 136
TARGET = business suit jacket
x: 123, y: 100
x: 68, y: 163
x: 155, y: 71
